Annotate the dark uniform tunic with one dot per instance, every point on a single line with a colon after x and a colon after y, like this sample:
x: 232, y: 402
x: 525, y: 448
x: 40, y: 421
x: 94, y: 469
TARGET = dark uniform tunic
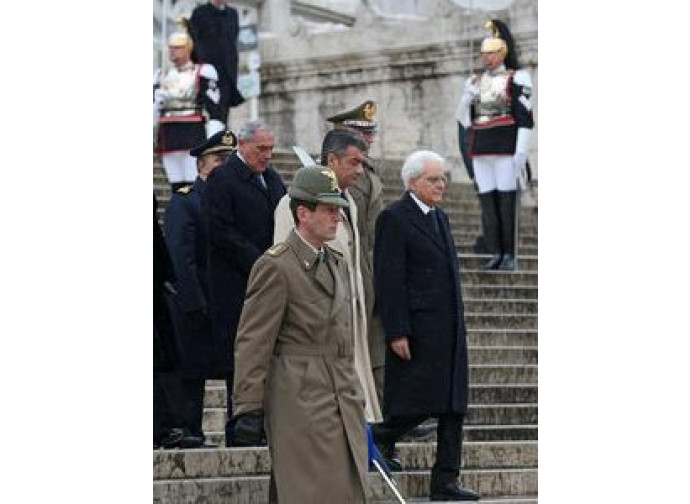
x: 214, y: 32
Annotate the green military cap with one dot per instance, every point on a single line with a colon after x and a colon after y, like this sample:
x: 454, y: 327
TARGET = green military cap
x: 360, y: 118
x: 316, y: 184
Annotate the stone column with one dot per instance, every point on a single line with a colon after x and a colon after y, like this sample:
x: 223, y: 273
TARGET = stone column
x: 274, y: 17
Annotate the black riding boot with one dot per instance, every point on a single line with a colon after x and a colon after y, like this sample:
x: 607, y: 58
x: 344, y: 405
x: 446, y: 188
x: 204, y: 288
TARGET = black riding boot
x: 507, y: 209
x: 492, y: 228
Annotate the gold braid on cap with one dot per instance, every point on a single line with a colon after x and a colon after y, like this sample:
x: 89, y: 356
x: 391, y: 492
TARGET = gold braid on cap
x: 494, y: 42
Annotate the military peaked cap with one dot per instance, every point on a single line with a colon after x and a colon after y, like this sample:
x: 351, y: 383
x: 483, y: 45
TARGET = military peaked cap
x: 223, y: 142
x: 360, y: 118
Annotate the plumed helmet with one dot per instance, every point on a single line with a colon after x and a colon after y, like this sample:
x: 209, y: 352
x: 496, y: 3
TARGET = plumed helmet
x: 500, y: 39
x: 182, y: 37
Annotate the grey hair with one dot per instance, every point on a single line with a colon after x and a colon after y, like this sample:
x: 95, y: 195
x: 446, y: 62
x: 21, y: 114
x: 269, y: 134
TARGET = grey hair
x: 414, y: 164
x: 249, y: 129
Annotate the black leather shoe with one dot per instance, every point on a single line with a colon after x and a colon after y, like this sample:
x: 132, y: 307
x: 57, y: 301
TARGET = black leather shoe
x: 172, y: 439
x: 492, y: 263
x: 452, y: 492
x: 191, y: 441
x: 421, y: 433
x: 507, y: 263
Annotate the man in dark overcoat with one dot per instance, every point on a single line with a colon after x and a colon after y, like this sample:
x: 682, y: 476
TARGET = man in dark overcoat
x: 416, y: 275
x: 166, y: 359
x: 186, y: 239
x: 237, y: 208
x: 214, y: 27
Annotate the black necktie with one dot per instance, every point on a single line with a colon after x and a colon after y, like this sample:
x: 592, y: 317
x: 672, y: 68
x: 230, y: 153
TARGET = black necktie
x: 431, y: 215
x: 262, y: 181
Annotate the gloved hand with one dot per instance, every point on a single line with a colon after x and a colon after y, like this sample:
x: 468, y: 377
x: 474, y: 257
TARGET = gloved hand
x: 160, y: 96
x: 248, y: 429
x: 519, y: 162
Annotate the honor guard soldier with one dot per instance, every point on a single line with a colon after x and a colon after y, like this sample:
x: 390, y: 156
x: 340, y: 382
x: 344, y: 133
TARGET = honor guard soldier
x: 294, y: 365
x: 186, y: 109
x: 184, y: 233
x: 497, y: 105
x: 367, y: 191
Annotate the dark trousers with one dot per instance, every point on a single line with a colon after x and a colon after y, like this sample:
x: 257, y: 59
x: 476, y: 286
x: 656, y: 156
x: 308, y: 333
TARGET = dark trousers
x: 448, y: 442
x: 191, y: 404
x: 178, y: 402
x: 164, y: 415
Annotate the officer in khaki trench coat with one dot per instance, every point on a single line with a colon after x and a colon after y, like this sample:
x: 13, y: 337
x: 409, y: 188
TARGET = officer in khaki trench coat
x: 367, y: 193
x: 294, y: 356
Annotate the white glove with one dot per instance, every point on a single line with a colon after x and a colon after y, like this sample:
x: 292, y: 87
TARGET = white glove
x: 519, y: 162
x: 160, y: 96
x: 471, y: 89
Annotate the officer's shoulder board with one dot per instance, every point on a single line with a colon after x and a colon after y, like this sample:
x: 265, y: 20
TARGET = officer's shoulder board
x: 185, y: 189
x: 277, y: 249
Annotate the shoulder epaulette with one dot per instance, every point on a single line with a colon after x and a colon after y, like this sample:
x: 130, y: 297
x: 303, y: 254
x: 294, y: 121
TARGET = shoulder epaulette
x: 184, y: 189
x: 277, y: 249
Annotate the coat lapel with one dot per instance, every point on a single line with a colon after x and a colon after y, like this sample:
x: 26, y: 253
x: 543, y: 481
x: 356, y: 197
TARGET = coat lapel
x: 308, y: 259
x: 419, y: 220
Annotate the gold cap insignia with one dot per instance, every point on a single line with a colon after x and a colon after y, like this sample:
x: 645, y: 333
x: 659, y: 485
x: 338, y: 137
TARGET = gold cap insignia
x: 334, y: 181
x: 369, y: 111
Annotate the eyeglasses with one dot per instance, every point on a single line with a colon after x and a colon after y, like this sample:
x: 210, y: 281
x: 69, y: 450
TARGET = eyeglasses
x: 436, y: 180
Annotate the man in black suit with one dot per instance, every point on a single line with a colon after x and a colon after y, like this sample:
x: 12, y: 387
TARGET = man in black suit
x: 416, y: 277
x: 237, y: 209
x: 214, y: 27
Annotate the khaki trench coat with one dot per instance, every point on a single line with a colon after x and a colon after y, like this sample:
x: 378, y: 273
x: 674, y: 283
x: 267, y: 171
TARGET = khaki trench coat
x: 293, y: 356
x: 367, y: 193
x: 347, y: 243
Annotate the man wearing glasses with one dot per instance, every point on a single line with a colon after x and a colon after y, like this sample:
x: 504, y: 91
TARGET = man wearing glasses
x: 417, y: 282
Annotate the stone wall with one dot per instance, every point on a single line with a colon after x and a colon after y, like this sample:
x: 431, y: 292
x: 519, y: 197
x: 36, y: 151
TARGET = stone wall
x: 414, y: 70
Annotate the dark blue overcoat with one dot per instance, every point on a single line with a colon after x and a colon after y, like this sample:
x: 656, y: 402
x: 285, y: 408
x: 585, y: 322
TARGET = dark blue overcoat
x: 238, y: 217
x: 184, y: 233
x: 416, y: 275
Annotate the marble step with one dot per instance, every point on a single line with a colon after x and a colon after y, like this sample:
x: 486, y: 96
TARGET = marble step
x: 228, y: 462
x: 467, y: 247
x: 477, y: 320
x: 502, y: 306
x: 476, y: 261
x: 469, y: 277
x: 502, y: 337
x: 503, y: 373
x: 490, y: 483
x: 215, y: 395
x: 478, y: 414
x: 512, y: 292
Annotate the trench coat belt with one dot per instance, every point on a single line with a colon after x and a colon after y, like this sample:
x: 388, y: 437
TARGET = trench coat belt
x: 311, y: 350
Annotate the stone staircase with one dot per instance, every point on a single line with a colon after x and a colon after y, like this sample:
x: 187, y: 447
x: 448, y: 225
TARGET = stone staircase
x: 501, y: 429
